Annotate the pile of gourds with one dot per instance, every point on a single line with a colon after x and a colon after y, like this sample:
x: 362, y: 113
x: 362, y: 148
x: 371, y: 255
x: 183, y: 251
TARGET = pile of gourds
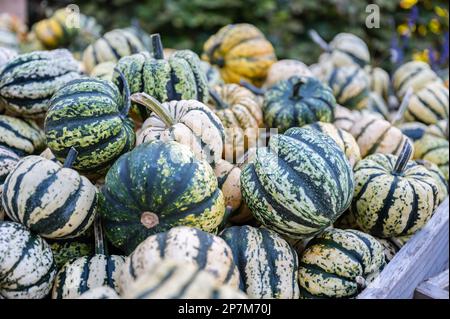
x: 136, y: 171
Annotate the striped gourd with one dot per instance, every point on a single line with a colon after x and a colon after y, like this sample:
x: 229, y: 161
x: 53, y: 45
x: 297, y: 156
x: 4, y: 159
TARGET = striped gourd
x: 434, y: 149
x: 413, y: 130
x: 345, y: 119
x: 241, y: 51
x: 27, y: 269
x: 439, y: 178
x: 91, y: 116
x: 82, y: 274
x: 187, y: 245
x: 240, y: 113
x: 439, y: 129
x: 429, y: 105
x: 393, y: 196
x: 228, y: 179
x: 343, y: 139
x: 66, y: 250
x: 375, y: 135
x: 6, y: 54
x: 8, y: 160
x: 52, y: 201
x: 300, y: 184
x: 414, y: 74
x: 179, y: 77
x: 380, y: 81
x: 23, y: 137
x: 284, y: 69
x: 173, y: 279
x: 155, y: 187
x: 104, y: 71
x: 188, y: 122
x: 339, y: 264
x: 103, y: 292
x: 267, y: 264
x: 54, y: 31
x: 296, y: 102
x: 28, y: 81
x: 112, y: 46
x: 350, y: 85
x: 376, y: 104
x: 212, y: 73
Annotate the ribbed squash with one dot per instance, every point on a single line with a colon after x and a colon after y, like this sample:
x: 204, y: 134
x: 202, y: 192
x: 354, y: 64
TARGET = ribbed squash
x: 178, y: 77
x: 155, y: 187
x: 345, y: 119
x: 439, y: 178
x: 339, y: 264
x: 380, y: 81
x: 28, y: 81
x: 300, y: 184
x: 55, y: 31
x: 23, y: 137
x: 429, y: 104
x: 104, y: 71
x: 284, y: 69
x: 434, y: 149
x: 413, y: 130
x: 267, y: 264
x: 27, y: 269
x: 296, y: 102
x: 111, y: 47
x: 54, y: 201
x: 6, y: 54
x: 91, y: 116
x: 350, y: 85
x: 212, y: 74
x: 188, y: 122
x: 415, y: 74
x: 343, y: 139
x: 376, y: 104
x: 439, y: 129
x: 171, y: 279
x: 393, y: 196
x: 102, y: 292
x: 239, y: 111
x: 375, y: 135
x: 241, y: 52
x: 187, y: 245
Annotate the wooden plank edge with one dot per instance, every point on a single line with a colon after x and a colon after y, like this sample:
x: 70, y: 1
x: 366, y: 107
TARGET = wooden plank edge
x: 427, y: 290
x: 423, y: 256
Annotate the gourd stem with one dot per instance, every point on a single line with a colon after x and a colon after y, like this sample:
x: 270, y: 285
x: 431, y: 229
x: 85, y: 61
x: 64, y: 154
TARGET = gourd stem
x: 100, y: 248
x: 157, y: 47
x: 403, y: 158
x: 255, y: 90
x: 319, y: 40
x: 154, y: 106
x: 71, y: 157
x: 398, y: 117
x: 296, y: 88
x: 126, y: 91
x: 217, y: 99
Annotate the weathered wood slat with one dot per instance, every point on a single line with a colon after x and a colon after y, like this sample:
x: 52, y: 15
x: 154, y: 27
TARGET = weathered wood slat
x: 433, y: 288
x: 424, y: 255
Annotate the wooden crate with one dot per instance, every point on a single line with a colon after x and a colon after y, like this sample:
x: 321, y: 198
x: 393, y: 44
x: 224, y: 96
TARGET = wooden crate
x: 433, y: 288
x: 425, y: 255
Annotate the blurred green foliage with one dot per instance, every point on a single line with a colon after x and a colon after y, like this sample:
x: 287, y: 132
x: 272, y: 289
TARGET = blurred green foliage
x: 188, y: 23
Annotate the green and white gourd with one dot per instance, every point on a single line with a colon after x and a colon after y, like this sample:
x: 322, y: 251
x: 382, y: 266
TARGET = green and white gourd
x: 23, y: 137
x: 339, y: 264
x: 393, y: 196
x: 83, y: 274
x: 172, y: 279
x: 8, y: 160
x: 27, y: 268
x: 377, y: 104
x: 267, y: 263
x: 300, y: 184
x: 104, y: 71
x: 52, y: 201
x: 91, y: 116
x: 439, y: 177
x: 187, y: 245
x: 414, y: 74
x: 439, y: 129
x: 434, y: 149
x: 380, y: 81
x: 28, y: 81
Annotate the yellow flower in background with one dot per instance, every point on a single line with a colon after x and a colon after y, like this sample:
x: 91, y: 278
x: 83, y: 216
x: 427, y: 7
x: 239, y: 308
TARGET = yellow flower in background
x: 422, y: 30
x: 441, y: 12
x: 421, y: 56
x: 403, y: 29
x: 434, y: 26
x: 407, y: 4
